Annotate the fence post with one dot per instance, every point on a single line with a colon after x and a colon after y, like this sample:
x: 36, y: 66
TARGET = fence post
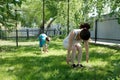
x: 0, y: 34
x: 96, y: 25
x: 54, y: 32
x: 27, y: 33
x: 46, y: 32
x: 16, y: 37
x: 5, y: 36
x: 60, y: 32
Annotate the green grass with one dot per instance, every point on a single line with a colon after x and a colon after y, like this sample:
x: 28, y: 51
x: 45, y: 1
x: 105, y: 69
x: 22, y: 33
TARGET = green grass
x: 27, y: 63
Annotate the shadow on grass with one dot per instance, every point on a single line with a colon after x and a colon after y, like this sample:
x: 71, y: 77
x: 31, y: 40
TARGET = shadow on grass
x: 56, y: 46
x: 27, y: 48
x: 55, y: 68
x: 14, y: 49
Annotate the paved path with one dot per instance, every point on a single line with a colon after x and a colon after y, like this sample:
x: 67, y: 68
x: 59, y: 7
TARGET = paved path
x: 106, y: 43
x: 13, y: 43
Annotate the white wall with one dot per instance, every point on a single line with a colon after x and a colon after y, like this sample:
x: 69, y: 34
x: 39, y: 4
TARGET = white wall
x: 108, y: 29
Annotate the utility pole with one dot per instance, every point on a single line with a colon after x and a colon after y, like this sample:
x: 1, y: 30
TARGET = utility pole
x: 68, y: 18
x: 16, y: 28
x: 96, y: 26
x: 16, y: 18
x: 43, y: 16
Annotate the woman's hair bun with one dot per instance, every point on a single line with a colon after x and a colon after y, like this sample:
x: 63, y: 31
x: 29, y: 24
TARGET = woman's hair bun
x: 85, y: 25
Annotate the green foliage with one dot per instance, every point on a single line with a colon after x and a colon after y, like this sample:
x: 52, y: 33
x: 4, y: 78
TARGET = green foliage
x: 7, y: 12
x: 51, y: 6
x: 31, y: 15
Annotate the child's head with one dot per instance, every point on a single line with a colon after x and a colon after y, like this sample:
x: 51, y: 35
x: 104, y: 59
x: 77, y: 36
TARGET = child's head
x: 47, y: 39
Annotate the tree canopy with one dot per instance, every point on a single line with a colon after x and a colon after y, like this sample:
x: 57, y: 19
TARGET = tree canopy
x: 31, y: 11
x: 7, y: 11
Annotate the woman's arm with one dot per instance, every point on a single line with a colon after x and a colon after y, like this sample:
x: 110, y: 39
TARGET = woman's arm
x: 86, y: 44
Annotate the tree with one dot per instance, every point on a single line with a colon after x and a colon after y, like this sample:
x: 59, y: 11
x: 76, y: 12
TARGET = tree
x: 32, y: 14
x: 7, y: 12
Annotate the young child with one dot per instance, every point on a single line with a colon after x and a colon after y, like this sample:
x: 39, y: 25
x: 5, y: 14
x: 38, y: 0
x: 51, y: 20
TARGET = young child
x: 43, y: 40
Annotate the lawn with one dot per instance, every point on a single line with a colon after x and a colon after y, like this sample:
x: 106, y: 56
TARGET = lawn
x: 27, y: 63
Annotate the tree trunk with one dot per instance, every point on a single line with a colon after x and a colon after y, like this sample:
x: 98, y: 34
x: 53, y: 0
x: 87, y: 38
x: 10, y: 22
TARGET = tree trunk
x: 41, y: 28
x: 49, y: 24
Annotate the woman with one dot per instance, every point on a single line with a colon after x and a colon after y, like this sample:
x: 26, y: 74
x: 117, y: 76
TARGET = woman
x: 72, y: 44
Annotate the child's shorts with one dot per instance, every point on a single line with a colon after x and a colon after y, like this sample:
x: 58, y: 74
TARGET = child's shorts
x: 41, y: 44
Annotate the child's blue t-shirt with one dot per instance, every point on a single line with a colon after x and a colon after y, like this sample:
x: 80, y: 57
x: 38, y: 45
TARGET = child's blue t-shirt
x: 42, y: 39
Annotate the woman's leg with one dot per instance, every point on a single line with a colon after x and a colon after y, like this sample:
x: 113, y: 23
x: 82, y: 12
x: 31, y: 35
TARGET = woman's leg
x: 74, y: 48
x: 79, y: 49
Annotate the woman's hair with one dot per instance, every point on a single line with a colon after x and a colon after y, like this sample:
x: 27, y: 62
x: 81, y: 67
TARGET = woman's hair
x: 85, y: 34
x: 85, y: 25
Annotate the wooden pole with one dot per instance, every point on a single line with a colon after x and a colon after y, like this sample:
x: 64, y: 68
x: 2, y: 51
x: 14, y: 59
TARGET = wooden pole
x: 68, y: 18
x: 16, y: 28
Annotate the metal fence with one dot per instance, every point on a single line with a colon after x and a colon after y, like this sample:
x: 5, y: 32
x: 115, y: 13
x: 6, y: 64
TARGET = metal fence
x: 27, y: 33
x: 106, y: 31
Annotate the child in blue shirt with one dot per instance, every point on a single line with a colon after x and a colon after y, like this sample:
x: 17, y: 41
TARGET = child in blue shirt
x: 43, y: 40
